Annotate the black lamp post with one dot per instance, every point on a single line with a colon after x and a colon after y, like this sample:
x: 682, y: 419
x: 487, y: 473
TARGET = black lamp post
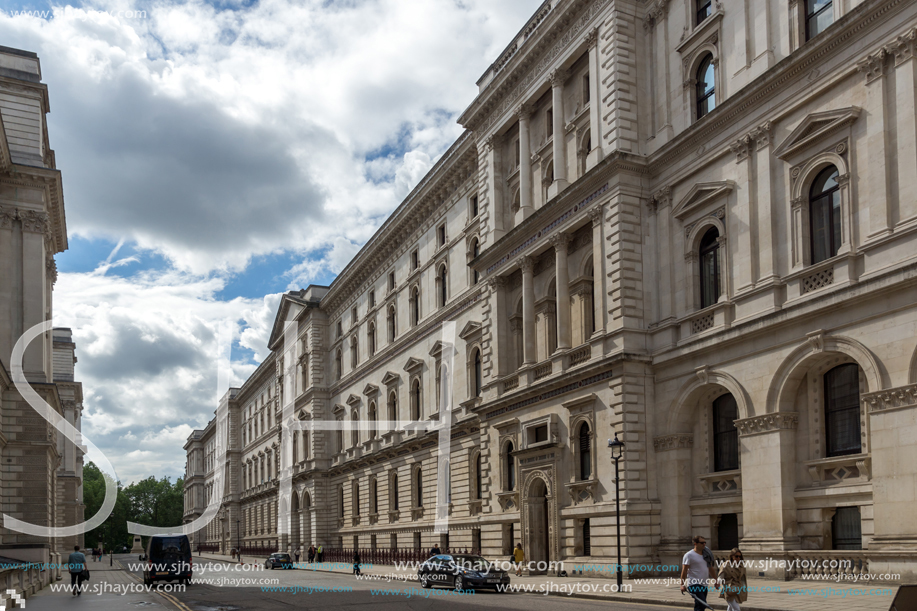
x: 617, y: 452
x: 238, y: 539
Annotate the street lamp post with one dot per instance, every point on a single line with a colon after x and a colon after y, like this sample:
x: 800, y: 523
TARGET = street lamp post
x: 238, y: 539
x: 617, y: 452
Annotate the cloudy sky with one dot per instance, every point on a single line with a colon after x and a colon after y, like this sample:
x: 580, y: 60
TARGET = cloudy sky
x: 216, y: 154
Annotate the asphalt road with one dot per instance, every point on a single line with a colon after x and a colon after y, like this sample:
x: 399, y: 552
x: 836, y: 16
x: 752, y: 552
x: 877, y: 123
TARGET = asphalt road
x: 229, y: 589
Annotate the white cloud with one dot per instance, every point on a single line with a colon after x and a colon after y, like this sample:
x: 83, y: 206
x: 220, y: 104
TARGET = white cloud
x: 214, y: 134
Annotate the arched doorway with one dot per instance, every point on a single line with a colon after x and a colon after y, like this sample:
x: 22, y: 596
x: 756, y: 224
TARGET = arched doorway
x: 306, y: 520
x: 538, y: 530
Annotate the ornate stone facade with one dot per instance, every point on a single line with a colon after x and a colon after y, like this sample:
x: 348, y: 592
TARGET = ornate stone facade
x: 41, y: 480
x: 704, y: 312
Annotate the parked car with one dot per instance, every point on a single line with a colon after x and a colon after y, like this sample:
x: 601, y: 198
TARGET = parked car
x: 461, y: 572
x: 168, y: 557
x: 282, y: 560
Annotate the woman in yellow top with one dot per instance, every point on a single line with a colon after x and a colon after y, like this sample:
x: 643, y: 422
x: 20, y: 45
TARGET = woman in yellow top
x: 735, y: 583
x: 519, y: 558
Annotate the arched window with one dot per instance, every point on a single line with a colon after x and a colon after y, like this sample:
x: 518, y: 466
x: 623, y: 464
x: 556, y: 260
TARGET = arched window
x: 371, y: 338
x: 476, y: 364
x: 709, y: 268
x: 339, y: 437
x: 338, y: 364
x: 393, y: 406
x: 842, y: 410
x: 825, y: 215
x: 819, y: 15
x: 585, y: 452
x: 372, y: 420
x: 475, y: 251
x: 510, y: 468
x: 418, y: 488
x: 415, y: 400
x: 392, y: 321
x: 442, y: 281
x: 705, y: 89
x: 477, y: 477
x: 355, y: 431
x: 354, y: 351
x: 415, y: 306
x: 393, y: 492
x: 725, y: 434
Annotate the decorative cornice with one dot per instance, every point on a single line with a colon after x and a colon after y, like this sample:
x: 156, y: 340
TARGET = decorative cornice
x: 655, y: 11
x: 596, y: 213
x: 672, y: 442
x: 592, y: 38
x: 903, y: 47
x: 901, y: 397
x: 767, y: 423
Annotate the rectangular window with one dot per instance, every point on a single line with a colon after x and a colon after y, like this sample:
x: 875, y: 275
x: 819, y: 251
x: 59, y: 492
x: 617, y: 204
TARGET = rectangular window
x: 441, y: 235
x: 474, y: 206
x: 846, y: 531
x: 391, y: 281
x: 517, y: 156
x: 587, y: 538
x: 415, y: 260
x: 727, y: 532
x: 476, y: 541
x: 704, y: 10
x: 819, y: 15
x: 549, y: 122
x: 538, y: 434
x: 372, y: 299
x: 353, y: 315
x: 585, y: 89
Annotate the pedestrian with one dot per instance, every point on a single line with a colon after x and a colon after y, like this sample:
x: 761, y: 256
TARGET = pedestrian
x: 311, y: 553
x: 356, y: 562
x: 320, y: 552
x: 695, y: 572
x: 518, y: 558
x: 435, y: 551
x: 77, y: 564
x: 297, y: 555
x: 734, y: 581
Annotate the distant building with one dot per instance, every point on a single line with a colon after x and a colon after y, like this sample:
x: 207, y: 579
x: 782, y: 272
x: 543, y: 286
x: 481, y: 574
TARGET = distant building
x: 692, y: 225
x: 41, y: 474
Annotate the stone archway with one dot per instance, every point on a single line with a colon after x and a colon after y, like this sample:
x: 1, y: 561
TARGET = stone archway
x: 295, y: 525
x: 539, y: 522
x: 537, y: 537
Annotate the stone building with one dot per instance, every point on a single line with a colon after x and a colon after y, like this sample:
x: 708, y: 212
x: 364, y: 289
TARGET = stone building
x: 690, y: 224
x: 41, y: 478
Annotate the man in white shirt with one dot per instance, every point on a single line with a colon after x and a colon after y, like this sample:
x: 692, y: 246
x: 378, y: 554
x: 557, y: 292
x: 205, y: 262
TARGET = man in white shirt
x: 695, y: 572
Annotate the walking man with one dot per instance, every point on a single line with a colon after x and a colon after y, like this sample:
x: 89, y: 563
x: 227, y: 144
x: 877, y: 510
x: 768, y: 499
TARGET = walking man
x: 695, y: 572
x: 77, y: 562
x: 297, y: 555
x: 320, y: 553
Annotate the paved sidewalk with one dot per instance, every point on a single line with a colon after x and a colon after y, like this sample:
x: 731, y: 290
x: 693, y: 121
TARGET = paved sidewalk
x: 110, y: 588
x: 765, y: 595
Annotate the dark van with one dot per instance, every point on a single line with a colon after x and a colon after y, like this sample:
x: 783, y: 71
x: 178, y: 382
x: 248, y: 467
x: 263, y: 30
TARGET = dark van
x: 168, y: 557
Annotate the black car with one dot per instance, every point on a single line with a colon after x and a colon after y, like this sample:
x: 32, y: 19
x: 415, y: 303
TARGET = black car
x: 461, y: 572
x: 168, y: 557
x: 282, y: 560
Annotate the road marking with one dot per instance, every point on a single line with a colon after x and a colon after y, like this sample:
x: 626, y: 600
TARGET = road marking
x: 180, y: 605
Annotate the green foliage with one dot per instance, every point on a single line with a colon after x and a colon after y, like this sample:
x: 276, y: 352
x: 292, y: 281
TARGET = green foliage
x: 151, y: 502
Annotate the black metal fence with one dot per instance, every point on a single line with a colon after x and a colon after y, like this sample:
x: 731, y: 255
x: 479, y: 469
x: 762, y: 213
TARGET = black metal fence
x: 387, y: 556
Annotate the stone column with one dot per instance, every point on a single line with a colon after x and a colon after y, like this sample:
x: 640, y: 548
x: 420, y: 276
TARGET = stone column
x: 766, y: 265
x: 906, y: 147
x: 876, y: 183
x: 674, y: 470
x: 892, y: 417
x: 596, y: 154
x: 597, y: 215
x: 557, y: 78
x: 741, y: 219
x: 524, y: 112
x: 527, y: 265
x: 768, y: 447
x: 560, y: 242
x: 489, y: 155
x: 665, y: 262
